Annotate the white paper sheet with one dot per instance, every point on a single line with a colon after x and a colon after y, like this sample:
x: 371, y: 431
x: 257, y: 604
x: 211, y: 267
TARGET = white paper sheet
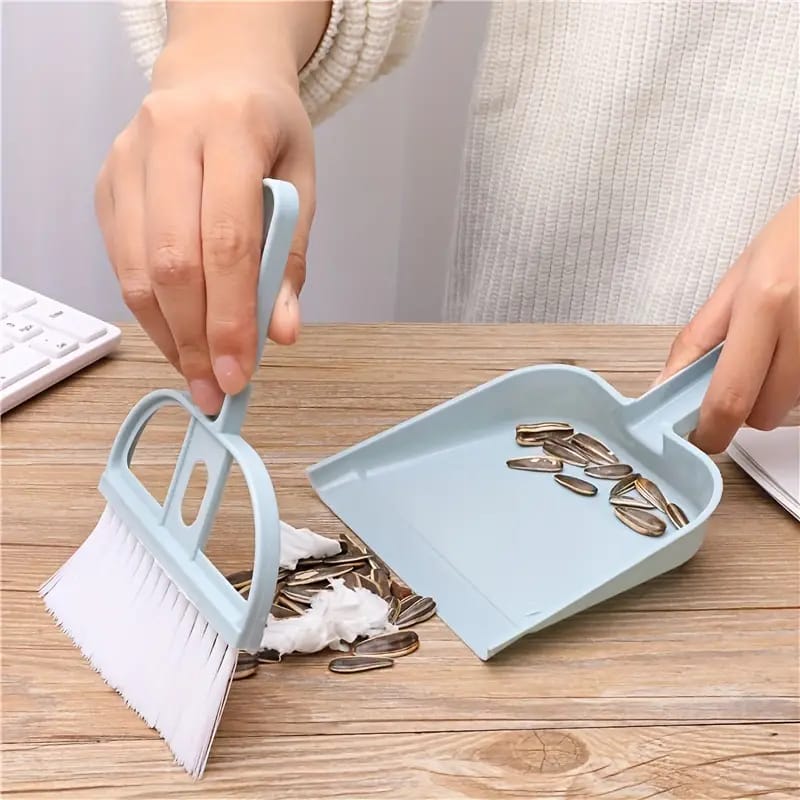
x: 772, y: 459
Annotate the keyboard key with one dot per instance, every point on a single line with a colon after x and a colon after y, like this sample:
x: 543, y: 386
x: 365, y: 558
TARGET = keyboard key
x: 18, y: 363
x: 13, y: 298
x: 74, y: 323
x: 19, y: 329
x: 54, y: 345
x: 5, y: 343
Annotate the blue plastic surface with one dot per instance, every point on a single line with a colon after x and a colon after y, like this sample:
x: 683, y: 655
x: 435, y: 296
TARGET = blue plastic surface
x: 506, y: 552
x: 215, y: 441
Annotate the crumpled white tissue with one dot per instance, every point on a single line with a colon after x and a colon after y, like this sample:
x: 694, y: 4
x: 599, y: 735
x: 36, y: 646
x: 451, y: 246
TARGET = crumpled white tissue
x: 297, y: 543
x: 337, y: 616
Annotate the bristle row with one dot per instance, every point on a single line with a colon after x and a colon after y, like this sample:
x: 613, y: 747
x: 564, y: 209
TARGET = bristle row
x: 145, y: 638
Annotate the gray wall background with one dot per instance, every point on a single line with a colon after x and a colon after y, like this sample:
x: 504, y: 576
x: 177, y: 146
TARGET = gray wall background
x: 388, y: 164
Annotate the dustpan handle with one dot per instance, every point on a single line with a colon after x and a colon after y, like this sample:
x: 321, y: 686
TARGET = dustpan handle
x: 281, y: 205
x: 673, y: 405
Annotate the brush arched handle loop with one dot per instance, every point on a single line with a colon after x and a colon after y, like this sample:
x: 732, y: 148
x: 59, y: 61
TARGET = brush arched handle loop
x: 179, y: 548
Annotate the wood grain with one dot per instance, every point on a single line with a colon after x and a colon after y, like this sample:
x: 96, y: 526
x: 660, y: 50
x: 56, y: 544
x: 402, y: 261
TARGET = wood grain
x: 684, y: 688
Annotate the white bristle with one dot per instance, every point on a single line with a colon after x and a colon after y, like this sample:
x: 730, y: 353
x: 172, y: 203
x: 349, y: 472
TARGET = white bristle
x: 141, y: 633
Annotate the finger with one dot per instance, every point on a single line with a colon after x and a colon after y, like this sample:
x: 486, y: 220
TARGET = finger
x: 298, y: 169
x: 781, y: 387
x: 104, y: 208
x: 172, y: 219
x: 739, y: 374
x: 706, y: 329
x: 128, y: 254
x: 231, y: 227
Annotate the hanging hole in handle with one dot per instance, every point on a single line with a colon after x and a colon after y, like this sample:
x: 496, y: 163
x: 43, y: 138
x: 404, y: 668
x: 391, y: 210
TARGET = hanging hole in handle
x: 194, y: 494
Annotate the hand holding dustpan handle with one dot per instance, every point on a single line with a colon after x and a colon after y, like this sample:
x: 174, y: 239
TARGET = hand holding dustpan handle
x: 281, y: 205
x: 673, y: 405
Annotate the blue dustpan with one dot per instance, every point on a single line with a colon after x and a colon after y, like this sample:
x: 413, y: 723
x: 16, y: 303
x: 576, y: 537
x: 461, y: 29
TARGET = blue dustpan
x: 505, y: 552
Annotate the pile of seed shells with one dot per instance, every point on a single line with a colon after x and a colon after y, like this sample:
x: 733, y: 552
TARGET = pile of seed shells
x: 634, y: 497
x: 358, y: 568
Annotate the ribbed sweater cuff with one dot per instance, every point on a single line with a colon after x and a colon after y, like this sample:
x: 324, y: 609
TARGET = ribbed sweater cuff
x: 363, y: 39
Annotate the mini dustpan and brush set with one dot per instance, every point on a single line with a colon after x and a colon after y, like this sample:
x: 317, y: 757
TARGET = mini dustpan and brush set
x: 503, y: 553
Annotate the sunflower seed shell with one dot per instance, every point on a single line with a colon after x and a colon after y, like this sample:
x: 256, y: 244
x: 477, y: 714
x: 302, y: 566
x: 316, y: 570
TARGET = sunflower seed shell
x: 565, y: 453
x: 676, y: 515
x: 609, y: 472
x: 389, y: 645
x: 347, y: 664
x: 577, y: 485
x: 423, y: 608
x: 641, y: 521
x: 537, y: 464
x: 625, y: 485
x: 651, y: 492
x: 532, y: 428
x: 594, y: 448
x: 630, y: 501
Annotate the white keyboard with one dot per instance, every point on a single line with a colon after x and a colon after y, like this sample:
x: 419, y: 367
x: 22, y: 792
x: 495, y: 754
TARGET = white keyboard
x: 43, y: 341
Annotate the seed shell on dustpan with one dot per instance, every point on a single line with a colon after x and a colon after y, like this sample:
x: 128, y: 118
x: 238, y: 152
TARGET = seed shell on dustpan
x: 530, y: 439
x: 535, y: 428
x: 577, y: 485
x: 651, y: 492
x: 347, y: 664
x: 676, y: 515
x: 625, y: 485
x: 630, y: 501
x: 609, y: 472
x: 536, y: 464
x: 565, y: 453
x: 593, y: 448
x: 389, y: 645
x: 641, y: 521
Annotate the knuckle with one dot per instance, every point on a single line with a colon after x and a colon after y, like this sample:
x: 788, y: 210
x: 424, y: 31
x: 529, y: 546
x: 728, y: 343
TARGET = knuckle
x: 138, y: 297
x: 730, y: 406
x: 775, y: 294
x: 232, y: 335
x: 225, y: 243
x: 170, y: 266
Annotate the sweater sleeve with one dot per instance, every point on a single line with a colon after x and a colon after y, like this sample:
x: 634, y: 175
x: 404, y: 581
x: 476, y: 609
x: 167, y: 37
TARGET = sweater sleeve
x: 364, y: 39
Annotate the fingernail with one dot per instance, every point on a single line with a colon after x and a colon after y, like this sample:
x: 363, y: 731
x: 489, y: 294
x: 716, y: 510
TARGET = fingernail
x: 230, y: 375
x: 206, y: 395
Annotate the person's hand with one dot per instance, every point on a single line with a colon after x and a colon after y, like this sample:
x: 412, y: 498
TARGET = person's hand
x: 756, y: 310
x: 179, y: 200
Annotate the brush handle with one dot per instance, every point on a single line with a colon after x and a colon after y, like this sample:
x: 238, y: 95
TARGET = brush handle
x: 214, y: 442
x: 281, y: 206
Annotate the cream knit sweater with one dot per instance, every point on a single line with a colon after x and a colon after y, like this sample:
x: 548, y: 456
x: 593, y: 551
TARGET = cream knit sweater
x: 619, y: 155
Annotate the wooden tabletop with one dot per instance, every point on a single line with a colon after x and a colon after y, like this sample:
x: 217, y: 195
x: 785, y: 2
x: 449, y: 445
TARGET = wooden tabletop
x: 686, y: 687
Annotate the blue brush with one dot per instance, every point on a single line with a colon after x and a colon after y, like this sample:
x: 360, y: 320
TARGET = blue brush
x: 140, y: 598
